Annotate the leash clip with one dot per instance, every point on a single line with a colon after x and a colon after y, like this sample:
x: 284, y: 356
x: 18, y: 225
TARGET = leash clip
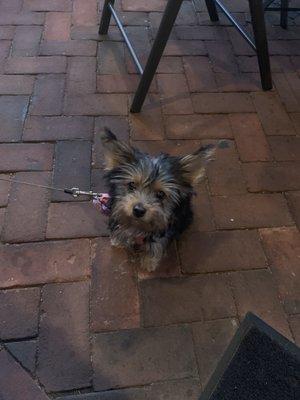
x: 76, y: 192
x: 100, y: 200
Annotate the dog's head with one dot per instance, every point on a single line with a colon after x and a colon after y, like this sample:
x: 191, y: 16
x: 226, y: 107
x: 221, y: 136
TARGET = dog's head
x: 145, y: 190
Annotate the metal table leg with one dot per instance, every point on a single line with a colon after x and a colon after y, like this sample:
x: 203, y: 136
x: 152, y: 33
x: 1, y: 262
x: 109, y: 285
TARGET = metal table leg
x: 284, y: 10
x: 166, y: 25
x: 163, y: 34
x: 261, y: 42
x: 284, y: 13
x: 212, y: 10
x: 105, y: 19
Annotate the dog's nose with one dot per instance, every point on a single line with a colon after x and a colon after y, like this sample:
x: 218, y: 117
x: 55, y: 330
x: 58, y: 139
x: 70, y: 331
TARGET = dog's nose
x: 139, y: 210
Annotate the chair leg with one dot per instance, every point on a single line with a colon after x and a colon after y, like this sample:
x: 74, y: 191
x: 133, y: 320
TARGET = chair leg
x: 105, y: 19
x: 212, y: 10
x: 166, y: 25
x: 284, y: 13
x: 261, y: 42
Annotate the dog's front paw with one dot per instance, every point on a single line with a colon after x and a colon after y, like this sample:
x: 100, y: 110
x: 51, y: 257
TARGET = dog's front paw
x: 149, y: 264
x: 116, y: 243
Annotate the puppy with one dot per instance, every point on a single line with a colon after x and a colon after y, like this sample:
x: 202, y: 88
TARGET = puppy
x: 150, y: 197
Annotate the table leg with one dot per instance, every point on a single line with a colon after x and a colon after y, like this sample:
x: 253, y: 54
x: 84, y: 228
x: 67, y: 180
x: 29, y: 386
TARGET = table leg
x: 212, y: 10
x: 261, y: 43
x: 284, y: 13
x: 166, y: 25
x: 105, y: 19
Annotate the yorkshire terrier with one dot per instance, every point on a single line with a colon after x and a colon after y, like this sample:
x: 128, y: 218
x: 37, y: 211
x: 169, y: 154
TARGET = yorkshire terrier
x: 150, y: 197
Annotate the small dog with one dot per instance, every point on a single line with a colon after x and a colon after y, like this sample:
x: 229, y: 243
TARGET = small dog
x: 150, y: 197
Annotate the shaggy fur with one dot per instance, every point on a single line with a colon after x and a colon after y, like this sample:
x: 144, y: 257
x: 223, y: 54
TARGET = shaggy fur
x: 150, y: 196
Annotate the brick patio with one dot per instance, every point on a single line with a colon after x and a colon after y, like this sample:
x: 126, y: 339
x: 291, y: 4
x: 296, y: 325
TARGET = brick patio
x: 77, y: 317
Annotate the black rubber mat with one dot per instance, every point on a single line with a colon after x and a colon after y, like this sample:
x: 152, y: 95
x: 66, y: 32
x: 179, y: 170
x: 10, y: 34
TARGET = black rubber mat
x: 259, y: 364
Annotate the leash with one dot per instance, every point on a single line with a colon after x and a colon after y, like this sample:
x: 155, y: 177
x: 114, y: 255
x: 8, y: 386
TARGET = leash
x: 100, y: 200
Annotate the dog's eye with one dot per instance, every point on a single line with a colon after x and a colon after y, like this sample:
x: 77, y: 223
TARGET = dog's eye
x: 160, y: 195
x: 131, y: 186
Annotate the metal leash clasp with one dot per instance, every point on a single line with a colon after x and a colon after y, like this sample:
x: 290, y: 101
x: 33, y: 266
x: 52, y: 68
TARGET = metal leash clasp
x: 100, y: 200
x: 76, y: 192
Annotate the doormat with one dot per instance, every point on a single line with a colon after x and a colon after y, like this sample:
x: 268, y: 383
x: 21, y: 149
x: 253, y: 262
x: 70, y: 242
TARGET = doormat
x: 259, y: 364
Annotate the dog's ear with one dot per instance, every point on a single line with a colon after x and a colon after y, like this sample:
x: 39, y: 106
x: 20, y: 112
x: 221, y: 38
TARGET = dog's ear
x: 193, y: 165
x: 116, y: 152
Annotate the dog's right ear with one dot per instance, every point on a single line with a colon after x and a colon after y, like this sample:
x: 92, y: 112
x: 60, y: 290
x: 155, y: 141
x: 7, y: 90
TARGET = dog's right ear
x: 115, y: 151
x: 193, y: 164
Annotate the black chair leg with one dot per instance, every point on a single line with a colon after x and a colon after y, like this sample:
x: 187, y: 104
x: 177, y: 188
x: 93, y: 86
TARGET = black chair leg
x: 166, y: 25
x: 105, y: 19
x: 284, y: 13
x: 212, y: 10
x: 261, y: 42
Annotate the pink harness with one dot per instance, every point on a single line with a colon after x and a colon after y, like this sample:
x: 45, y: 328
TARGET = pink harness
x: 101, y: 203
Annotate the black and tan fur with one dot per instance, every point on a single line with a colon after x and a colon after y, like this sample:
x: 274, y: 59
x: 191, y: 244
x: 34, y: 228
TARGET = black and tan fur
x: 151, y: 197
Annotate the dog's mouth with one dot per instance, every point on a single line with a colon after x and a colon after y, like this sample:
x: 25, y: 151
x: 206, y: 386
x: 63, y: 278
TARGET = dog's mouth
x: 143, y: 224
x: 146, y: 225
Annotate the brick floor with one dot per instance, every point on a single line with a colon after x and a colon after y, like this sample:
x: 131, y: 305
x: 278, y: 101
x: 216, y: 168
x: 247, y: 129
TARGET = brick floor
x: 25, y: 353
x: 79, y: 317
x: 15, y: 383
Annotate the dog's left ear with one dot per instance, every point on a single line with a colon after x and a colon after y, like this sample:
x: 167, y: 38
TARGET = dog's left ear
x: 116, y: 152
x: 193, y: 165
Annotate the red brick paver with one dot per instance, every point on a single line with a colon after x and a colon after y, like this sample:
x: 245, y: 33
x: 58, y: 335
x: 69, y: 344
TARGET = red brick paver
x: 114, y: 291
x: 64, y: 337
x: 19, y: 313
x: 25, y: 353
x: 195, y: 295
x: 211, y: 339
x: 26, y: 213
x: 78, y: 319
x: 12, y: 113
x: 15, y: 383
x: 282, y: 246
x: 44, y: 262
x: 221, y: 251
x: 154, y: 355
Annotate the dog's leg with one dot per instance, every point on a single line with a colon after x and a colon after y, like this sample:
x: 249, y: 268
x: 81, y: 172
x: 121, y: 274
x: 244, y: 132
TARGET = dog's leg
x: 149, y: 263
x: 116, y: 240
x: 153, y: 256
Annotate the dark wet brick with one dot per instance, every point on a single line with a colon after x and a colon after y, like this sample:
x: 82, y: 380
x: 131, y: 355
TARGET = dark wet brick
x: 251, y: 211
x: 188, y: 389
x: 114, y: 292
x: 26, y: 216
x: 57, y: 128
x: 155, y: 355
x: 26, y: 157
x: 64, y: 337
x: 211, y: 340
x: 71, y: 167
x: 221, y: 251
x: 13, y: 111
x: 15, y: 382
x: 19, y: 313
x: 282, y: 247
x: 256, y: 291
x: 61, y: 261
x: 52, y: 103
x: 185, y: 300
x: 72, y: 220
x: 24, y: 352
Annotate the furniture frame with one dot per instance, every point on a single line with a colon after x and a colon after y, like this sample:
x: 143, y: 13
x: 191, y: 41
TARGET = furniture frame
x: 258, y: 43
x: 284, y: 10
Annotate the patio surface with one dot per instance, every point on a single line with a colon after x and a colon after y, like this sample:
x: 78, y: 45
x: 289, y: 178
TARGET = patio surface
x: 75, y: 315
